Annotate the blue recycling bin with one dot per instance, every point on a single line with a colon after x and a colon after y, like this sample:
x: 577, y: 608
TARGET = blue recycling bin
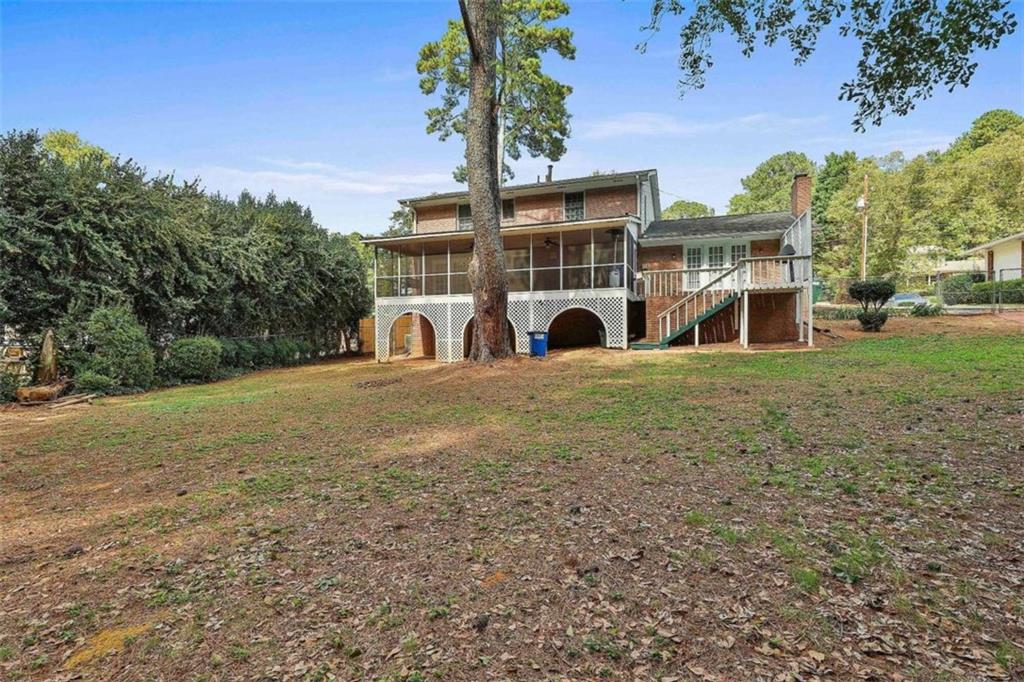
x: 539, y: 344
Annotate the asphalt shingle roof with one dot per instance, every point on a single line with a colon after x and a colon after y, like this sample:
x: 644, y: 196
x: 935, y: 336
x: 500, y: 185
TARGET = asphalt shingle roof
x: 724, y: 225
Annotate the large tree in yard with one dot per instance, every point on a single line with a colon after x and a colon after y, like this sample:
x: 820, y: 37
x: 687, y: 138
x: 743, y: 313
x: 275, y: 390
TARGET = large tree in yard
x: 530, y: 104
x: 908, y: 47
x: 496, y: 96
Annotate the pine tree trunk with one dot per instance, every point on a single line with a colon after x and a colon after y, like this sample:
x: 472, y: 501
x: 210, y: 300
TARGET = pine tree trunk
x: 487, y: 267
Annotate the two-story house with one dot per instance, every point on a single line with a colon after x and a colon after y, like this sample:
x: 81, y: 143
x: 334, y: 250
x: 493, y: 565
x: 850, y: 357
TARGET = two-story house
x: 590, y: 260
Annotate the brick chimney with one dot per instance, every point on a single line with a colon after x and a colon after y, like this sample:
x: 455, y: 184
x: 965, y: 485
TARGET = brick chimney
x: 800, y: 194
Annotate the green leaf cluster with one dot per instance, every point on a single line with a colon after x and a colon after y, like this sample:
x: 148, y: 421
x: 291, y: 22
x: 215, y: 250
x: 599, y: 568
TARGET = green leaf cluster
x: 81, y: 229
x: 531, y: 105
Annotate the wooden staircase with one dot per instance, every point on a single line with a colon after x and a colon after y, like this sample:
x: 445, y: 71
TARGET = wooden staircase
x: 694, y: 308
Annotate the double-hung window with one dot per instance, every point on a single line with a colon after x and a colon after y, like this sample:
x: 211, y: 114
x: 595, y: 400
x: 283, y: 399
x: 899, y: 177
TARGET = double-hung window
x: 465, y: 217
x: 716, y: 256
x: 738, y: 252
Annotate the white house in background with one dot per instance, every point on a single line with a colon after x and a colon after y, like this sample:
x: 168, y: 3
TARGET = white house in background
x: 1004, y: 258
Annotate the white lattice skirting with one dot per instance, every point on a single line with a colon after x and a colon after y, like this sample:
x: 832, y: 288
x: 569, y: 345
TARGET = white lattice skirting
x: 449, y: 316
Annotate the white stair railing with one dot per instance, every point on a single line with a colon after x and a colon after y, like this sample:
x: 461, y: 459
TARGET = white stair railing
x: 681, y: 314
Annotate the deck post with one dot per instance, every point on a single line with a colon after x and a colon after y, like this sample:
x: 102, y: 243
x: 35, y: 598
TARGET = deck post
x: 745, y: 326
x: 810, y: 315
x: 696, y: 335
x: 799, y: 316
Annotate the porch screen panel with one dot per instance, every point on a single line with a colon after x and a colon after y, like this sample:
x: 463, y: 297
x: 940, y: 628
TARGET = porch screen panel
x: 547, y: 259
x: 387, y: 272
x: 517, y: 262
x: 576, y: 248
x: 461, y: 252
x: 435, y: 259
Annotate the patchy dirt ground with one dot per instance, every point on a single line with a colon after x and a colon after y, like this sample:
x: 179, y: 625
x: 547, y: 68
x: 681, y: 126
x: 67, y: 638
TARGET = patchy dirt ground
x: 851, y: 513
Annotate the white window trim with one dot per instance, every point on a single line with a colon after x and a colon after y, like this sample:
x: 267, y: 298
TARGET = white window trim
x: 565, y: 211
x: 705, y: 247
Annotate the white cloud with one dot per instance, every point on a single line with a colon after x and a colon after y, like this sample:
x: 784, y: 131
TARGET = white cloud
x: 641, y: 123
x: 286, y: 176
x: 910, y: 142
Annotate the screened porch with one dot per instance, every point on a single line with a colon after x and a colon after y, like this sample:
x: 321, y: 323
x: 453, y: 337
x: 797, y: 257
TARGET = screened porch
x: 581, y: 259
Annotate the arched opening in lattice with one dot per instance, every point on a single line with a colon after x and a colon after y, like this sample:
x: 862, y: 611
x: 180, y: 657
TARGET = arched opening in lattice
x: 467, y: 336
x: 576, y: 327
x: 412, y: 336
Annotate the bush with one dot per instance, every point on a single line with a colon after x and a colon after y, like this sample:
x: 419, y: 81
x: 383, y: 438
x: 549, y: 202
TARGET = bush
x: 192, y: 360
x: 245, y: 354
x: 264, y: 356
x: 957, y: 289
x: 1004, y: 291
x: 284, y: 351
x: 872, y: 320
x: 228, y: 353
x: 872, y: 294
x: 93, y: 382
x: 118, y: 348
x: 926, y: 310
x: 8, y: 385
x: 304, y: 349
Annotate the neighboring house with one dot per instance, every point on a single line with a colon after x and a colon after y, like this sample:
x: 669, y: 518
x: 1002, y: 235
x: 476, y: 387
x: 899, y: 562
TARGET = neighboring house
x: 590, y: 261
x: 930, y: 263
x: 1004, y: 258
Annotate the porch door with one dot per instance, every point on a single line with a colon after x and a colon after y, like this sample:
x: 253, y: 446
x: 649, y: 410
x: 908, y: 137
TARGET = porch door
x: 694, y: 261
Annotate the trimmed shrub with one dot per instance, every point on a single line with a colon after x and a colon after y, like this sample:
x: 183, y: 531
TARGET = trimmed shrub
x: 1005, y: 291
x: 957, y: 289
x: 926, y: 310
x: 8, y: 385
x: 93, y: 382
x: 872, y: 320
x: 118, y: 348
x: 872, y: 294
x: 192, y: 360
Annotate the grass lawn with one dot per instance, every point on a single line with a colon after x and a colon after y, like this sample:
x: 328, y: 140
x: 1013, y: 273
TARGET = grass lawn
x: 850, y: 512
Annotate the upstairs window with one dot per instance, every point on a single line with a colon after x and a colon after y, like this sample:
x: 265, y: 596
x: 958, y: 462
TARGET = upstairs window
x: 465, y: 217
x: 738, y: 252
x: 574, y: 209
x: 508, y: 209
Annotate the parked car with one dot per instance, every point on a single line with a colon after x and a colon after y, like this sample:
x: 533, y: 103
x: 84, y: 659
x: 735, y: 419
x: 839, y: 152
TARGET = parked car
x: 907, y: 300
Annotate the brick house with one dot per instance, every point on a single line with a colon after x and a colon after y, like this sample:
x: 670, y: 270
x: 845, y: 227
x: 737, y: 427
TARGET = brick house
x: 590, y: 260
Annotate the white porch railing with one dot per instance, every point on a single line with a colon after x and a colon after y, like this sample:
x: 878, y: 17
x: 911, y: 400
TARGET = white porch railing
x: 748, y: 274
x: 677, y: 282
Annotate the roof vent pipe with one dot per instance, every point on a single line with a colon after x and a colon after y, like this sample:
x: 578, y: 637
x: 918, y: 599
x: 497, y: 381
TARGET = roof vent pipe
x: 550, y: 169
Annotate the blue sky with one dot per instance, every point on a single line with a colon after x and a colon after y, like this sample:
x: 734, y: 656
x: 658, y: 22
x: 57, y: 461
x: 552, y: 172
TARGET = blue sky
x: 319, y: 101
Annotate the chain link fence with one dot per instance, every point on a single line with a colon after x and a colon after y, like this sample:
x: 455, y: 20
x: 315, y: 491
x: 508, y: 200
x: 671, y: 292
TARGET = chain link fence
x: 998, y: 289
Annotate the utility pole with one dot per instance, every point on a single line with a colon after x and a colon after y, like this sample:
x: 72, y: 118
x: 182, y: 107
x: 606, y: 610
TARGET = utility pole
x: 864, y: 232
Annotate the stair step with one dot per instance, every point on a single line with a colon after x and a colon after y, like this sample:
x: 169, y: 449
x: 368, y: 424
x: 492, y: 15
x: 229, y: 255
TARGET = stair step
x: 713, y: 310
x: 646, y: 345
